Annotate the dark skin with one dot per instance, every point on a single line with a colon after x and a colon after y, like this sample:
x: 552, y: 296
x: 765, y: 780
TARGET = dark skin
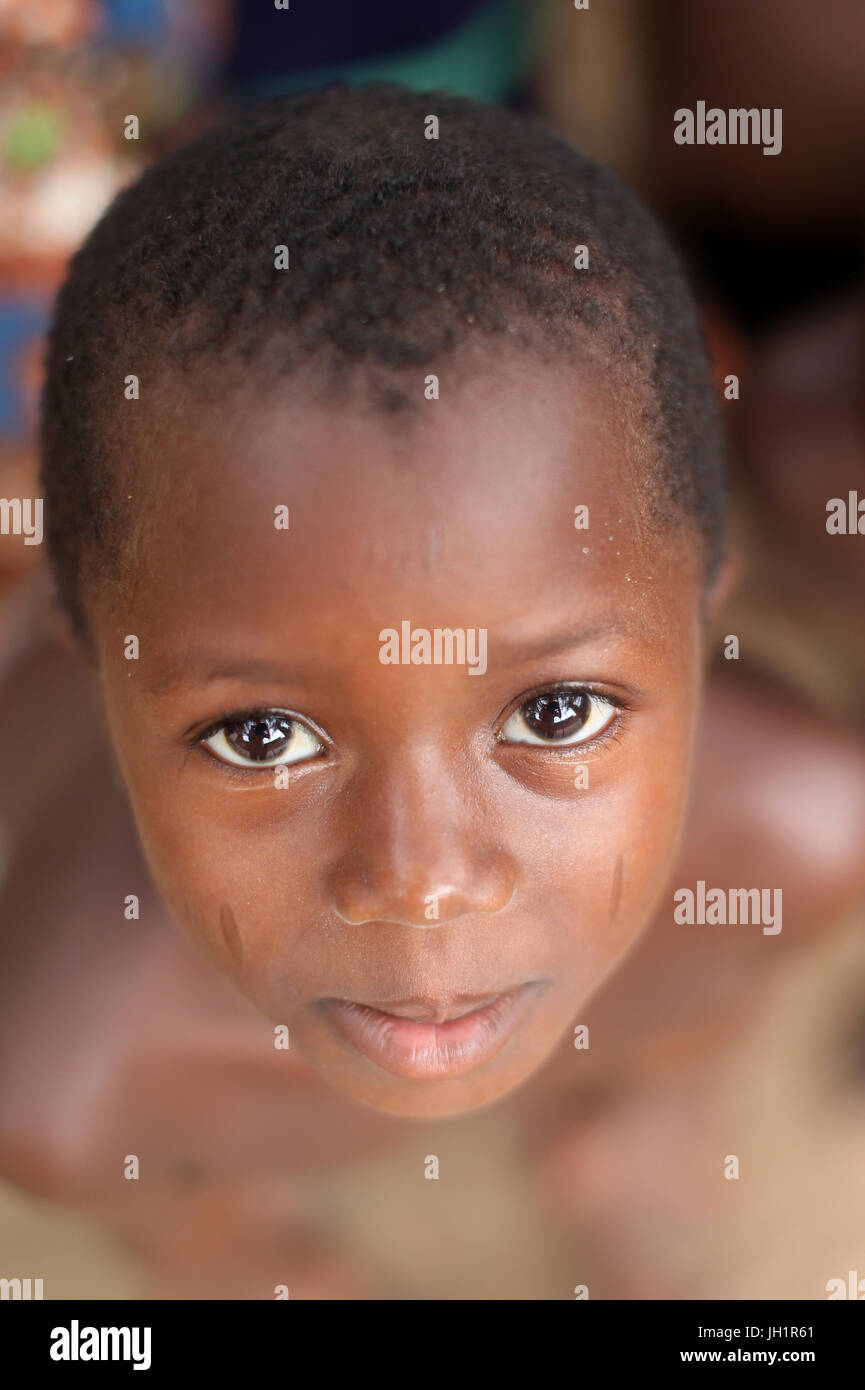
x: 463, y: 519
x: 118, y: 1037
x: 163, y: 1058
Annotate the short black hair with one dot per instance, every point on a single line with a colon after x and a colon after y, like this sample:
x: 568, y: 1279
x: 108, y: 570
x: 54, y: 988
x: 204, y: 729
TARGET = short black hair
x: 402, y: 250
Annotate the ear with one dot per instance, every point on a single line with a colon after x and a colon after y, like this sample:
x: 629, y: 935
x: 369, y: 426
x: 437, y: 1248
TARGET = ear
x: 725, y: 581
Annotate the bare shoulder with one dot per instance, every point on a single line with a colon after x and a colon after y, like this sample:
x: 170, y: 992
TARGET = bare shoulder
x: 779, y: 792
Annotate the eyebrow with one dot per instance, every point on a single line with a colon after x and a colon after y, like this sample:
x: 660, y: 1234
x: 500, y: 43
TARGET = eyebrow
x: 549, y: 644
x: 206, y: 668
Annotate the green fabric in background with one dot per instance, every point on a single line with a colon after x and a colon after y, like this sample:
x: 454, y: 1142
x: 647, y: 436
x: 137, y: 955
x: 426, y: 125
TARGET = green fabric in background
x: 488, y: 58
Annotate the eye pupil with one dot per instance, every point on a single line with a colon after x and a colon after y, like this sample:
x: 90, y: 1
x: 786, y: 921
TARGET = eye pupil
x: 556, y: 715
x: 261, y: 737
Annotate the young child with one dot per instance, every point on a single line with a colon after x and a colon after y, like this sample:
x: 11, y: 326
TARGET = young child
x: 383, y: 487
x: 319, y: 377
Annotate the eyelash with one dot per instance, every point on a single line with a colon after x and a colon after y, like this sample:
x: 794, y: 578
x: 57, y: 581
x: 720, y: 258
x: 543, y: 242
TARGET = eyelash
x: 610, y: 733
x: 197, y: 740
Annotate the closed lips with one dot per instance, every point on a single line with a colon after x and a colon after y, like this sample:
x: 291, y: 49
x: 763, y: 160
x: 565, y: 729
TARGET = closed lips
x: 430, y: 1039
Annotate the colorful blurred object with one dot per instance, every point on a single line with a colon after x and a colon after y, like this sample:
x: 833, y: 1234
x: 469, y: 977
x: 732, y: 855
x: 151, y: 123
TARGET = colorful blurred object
x: 73, y: 72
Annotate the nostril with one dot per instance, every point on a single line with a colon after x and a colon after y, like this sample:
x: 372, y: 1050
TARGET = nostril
x: 421, y: 898
x: 410, y: 909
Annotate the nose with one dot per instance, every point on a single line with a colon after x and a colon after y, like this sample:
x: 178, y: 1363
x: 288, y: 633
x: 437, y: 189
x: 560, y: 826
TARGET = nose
x: 418, y: 851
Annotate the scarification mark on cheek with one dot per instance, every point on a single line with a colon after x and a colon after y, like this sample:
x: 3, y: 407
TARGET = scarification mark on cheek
x: 231, y: 936
x: 616, y: 891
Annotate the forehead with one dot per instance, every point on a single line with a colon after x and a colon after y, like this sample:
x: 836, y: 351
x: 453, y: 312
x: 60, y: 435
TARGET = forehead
x: 276, y: 509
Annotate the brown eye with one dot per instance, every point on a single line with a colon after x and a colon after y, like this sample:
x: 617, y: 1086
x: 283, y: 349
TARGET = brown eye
x: 263, y: 739
x: 556, y: 716
x: 561, y: 717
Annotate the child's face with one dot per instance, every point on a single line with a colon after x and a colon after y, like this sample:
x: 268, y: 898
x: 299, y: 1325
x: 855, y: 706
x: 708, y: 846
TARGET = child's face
x: 409, y: 790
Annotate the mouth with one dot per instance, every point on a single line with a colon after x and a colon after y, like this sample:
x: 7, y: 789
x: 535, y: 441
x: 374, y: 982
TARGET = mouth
x: 428, y: 1039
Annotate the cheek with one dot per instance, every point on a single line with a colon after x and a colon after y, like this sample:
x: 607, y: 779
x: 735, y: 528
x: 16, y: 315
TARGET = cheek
x: 607, y: 862
x: 244, y: 893
x: 644, y: 836
x: 218, y: 856
x: 233, y: 873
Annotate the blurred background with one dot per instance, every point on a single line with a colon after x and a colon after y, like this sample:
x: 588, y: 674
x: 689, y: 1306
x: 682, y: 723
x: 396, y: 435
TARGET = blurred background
x: 716, y: 1049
